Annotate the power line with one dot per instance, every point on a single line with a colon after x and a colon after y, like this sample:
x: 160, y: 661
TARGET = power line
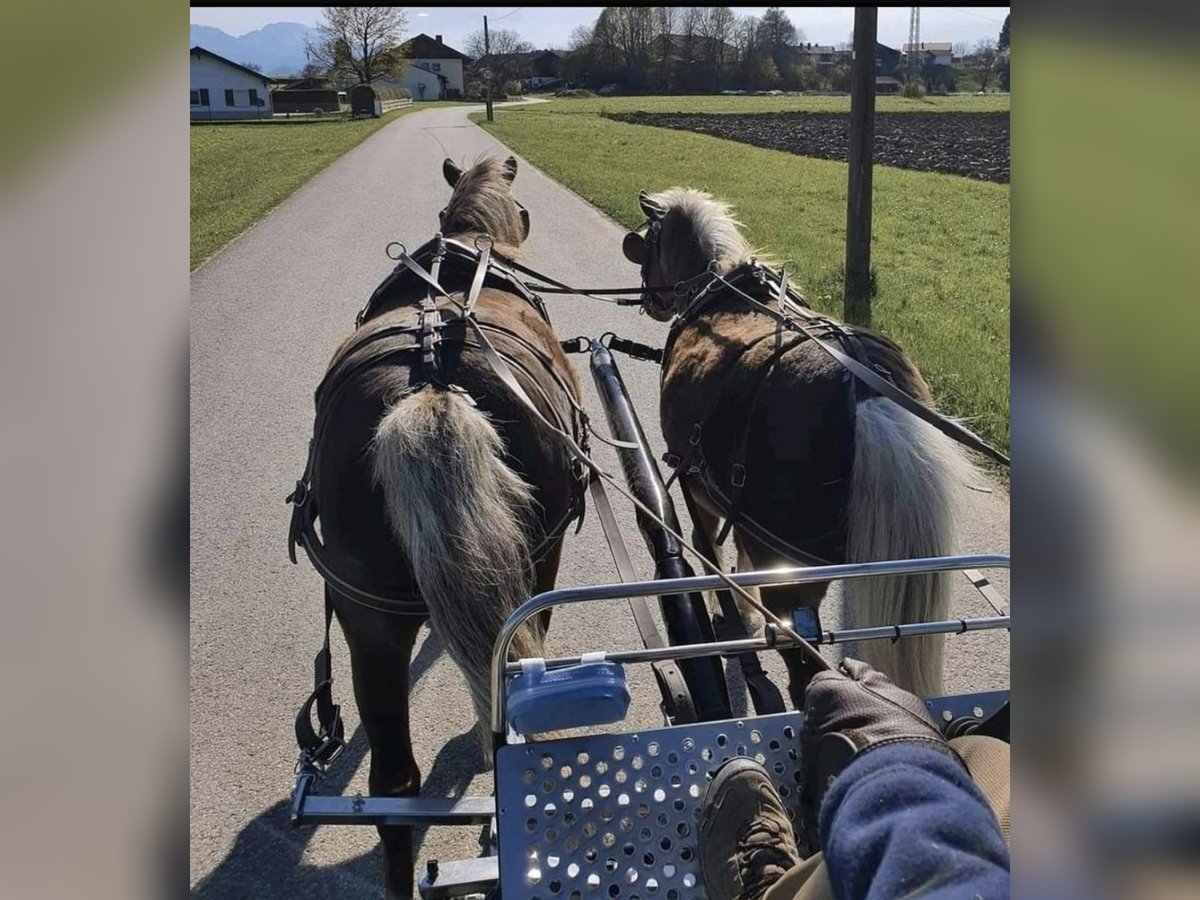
x: 506, y: 15
x: 975, y: 14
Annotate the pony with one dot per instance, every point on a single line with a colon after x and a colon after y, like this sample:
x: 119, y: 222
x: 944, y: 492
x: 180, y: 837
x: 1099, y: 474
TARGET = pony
x: 771, y: 433
x: 434, y: 482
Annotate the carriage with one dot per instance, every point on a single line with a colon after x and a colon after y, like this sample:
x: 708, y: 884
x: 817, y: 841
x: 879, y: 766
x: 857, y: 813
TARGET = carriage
x: 603, y: 812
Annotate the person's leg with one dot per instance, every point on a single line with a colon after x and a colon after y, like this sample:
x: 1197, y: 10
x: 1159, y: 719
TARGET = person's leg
x: 807, y: 881
x: 987, y: 759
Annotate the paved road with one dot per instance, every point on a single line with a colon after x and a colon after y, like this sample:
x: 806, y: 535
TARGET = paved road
x: 266, y: 313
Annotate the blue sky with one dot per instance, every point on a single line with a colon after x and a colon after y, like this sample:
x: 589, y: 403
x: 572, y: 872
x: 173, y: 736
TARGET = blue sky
x: 546, y: 26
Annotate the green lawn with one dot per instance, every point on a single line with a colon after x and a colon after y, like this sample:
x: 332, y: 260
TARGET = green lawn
x: 940, y: 248
x: 715, y: 103
x: 242, y: 172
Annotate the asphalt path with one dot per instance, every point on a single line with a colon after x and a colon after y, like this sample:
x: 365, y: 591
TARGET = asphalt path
x: 266, y: 312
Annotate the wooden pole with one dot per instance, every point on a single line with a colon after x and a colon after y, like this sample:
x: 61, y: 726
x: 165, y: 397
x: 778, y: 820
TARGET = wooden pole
x: 487, y: 54
x: 857, y: 303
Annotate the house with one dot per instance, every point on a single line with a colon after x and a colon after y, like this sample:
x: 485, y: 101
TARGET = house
x: 823, y: 56
x: 535, y: 68
x: 422, y: 83
x: 428, y: 55
x: 887, y: 60
x: 937, y: 53
x: 223, y: 89
x: 887, y: 84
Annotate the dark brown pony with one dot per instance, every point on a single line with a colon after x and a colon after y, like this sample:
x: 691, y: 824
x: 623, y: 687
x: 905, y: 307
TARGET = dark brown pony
x: 812, y: 465
x: 435, y: 483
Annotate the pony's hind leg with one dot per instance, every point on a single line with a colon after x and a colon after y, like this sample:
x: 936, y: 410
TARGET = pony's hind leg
x: 380, y: 652
x: 781, y: 601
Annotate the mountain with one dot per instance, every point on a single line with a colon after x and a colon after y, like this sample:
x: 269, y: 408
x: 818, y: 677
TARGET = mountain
x: 278, y: 48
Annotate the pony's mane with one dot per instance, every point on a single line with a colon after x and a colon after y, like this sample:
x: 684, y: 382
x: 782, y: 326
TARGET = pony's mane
x: 482, y: 205
x: 715, y: 229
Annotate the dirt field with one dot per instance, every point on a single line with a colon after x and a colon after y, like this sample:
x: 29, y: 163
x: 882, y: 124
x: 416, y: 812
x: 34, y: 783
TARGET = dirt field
x: 972, y: 144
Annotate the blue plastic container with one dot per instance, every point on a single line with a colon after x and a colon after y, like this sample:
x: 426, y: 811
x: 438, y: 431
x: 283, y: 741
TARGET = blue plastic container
x: 594, y: 692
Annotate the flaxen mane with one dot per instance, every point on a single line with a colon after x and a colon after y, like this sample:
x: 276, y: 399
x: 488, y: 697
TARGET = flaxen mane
x: 714, y: 232
x: 482, y: 204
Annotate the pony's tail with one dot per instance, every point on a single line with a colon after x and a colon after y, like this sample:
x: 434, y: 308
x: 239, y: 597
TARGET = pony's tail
x: 461, y: 515
x: 904, y: 493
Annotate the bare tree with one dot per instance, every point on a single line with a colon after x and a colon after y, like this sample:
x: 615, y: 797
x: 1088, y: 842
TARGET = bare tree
x: 961, y: 49
x: 502, y: 41
x: 985, y: 61
x: 253, y: 67
x: 715, y: 26
x: 581, y: 36
x: 359, y: 42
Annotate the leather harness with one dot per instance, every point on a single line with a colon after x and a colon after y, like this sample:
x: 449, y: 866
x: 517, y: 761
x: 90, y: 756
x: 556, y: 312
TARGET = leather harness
x: 449, y: 260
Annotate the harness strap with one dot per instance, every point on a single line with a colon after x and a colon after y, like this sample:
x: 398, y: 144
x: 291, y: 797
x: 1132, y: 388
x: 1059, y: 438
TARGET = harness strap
x: 321, y: 746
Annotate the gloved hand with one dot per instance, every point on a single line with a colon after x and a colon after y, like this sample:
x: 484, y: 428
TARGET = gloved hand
x: 848, y: 712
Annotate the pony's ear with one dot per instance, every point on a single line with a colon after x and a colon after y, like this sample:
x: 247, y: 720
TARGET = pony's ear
x: 525, y: 223
x: 634, y: 248
x: 451, y: 172
x: 510, y: 168
x: 651, y: 207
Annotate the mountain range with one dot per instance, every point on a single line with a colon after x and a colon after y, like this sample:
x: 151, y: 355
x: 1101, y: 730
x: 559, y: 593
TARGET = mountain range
x: 277, y: 48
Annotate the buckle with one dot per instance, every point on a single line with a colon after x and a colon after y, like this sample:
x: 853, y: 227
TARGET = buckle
x: 299, y: 496
x: 694, y: 440
x: 738, y: 475
x: 581, y: 344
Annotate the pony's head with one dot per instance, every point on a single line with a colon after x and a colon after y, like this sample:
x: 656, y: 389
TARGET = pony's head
x: 687, y: 232
x: 482, y: 203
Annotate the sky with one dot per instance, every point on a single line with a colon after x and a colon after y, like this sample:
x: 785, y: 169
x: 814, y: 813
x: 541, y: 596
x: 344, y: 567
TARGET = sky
x: 550, y: 27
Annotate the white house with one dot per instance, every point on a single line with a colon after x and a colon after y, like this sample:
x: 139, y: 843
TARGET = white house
x: 422, y: 83
x: 428, y: 55
x: 222, y: 89
x: 938, y: 53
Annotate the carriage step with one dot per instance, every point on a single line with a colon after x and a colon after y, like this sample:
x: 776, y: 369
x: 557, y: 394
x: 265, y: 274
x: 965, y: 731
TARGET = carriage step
x: 325, y: 810
x: 459, y: 878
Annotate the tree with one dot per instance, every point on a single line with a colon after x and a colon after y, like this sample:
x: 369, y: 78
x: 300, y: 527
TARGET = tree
x: 1002, y: 44
x: 581, y: 36
x: 985, y: 61
x: 961, y: 49
x: 359, y: 43
x: 777, y: 35
x: 253, y: 66
x: 502, y: 41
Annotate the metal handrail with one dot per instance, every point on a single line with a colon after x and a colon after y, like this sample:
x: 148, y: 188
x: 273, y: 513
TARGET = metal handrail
x: 770, y: 577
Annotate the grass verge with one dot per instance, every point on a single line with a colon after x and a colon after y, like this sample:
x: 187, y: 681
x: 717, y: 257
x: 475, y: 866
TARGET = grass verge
x: 242, y: 172
x: 940, y: 249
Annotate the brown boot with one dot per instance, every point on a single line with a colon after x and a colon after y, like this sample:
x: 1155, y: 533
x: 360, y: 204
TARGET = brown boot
x: 746, y: 840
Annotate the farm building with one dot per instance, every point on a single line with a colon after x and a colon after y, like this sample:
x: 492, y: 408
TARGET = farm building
x: 429, y: 55
x: 223, y: 89
x: 423, y: 83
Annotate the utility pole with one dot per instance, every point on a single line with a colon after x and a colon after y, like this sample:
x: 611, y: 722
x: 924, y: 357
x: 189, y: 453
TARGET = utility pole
x: 857, y: 302
x: 487, y: 54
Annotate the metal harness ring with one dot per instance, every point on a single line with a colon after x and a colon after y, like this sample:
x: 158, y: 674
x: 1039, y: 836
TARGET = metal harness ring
x: 388, y: 251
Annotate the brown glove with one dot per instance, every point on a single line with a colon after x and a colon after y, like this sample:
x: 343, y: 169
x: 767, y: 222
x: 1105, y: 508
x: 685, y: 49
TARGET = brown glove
x: 848, y: 712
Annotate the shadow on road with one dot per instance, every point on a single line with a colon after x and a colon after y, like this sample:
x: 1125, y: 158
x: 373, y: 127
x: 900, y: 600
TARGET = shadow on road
x: 265, y: 861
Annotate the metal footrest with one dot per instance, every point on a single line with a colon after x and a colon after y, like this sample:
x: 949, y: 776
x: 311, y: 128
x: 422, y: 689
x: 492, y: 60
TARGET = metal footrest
x: 615, y: 815
x: 316, y: 809
x: 459, y: 878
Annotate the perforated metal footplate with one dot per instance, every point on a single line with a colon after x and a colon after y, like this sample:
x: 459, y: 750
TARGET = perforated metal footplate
x: 615, y: 815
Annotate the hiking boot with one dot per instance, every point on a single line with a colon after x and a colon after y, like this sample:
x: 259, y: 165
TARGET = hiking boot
x: 746, y: 839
